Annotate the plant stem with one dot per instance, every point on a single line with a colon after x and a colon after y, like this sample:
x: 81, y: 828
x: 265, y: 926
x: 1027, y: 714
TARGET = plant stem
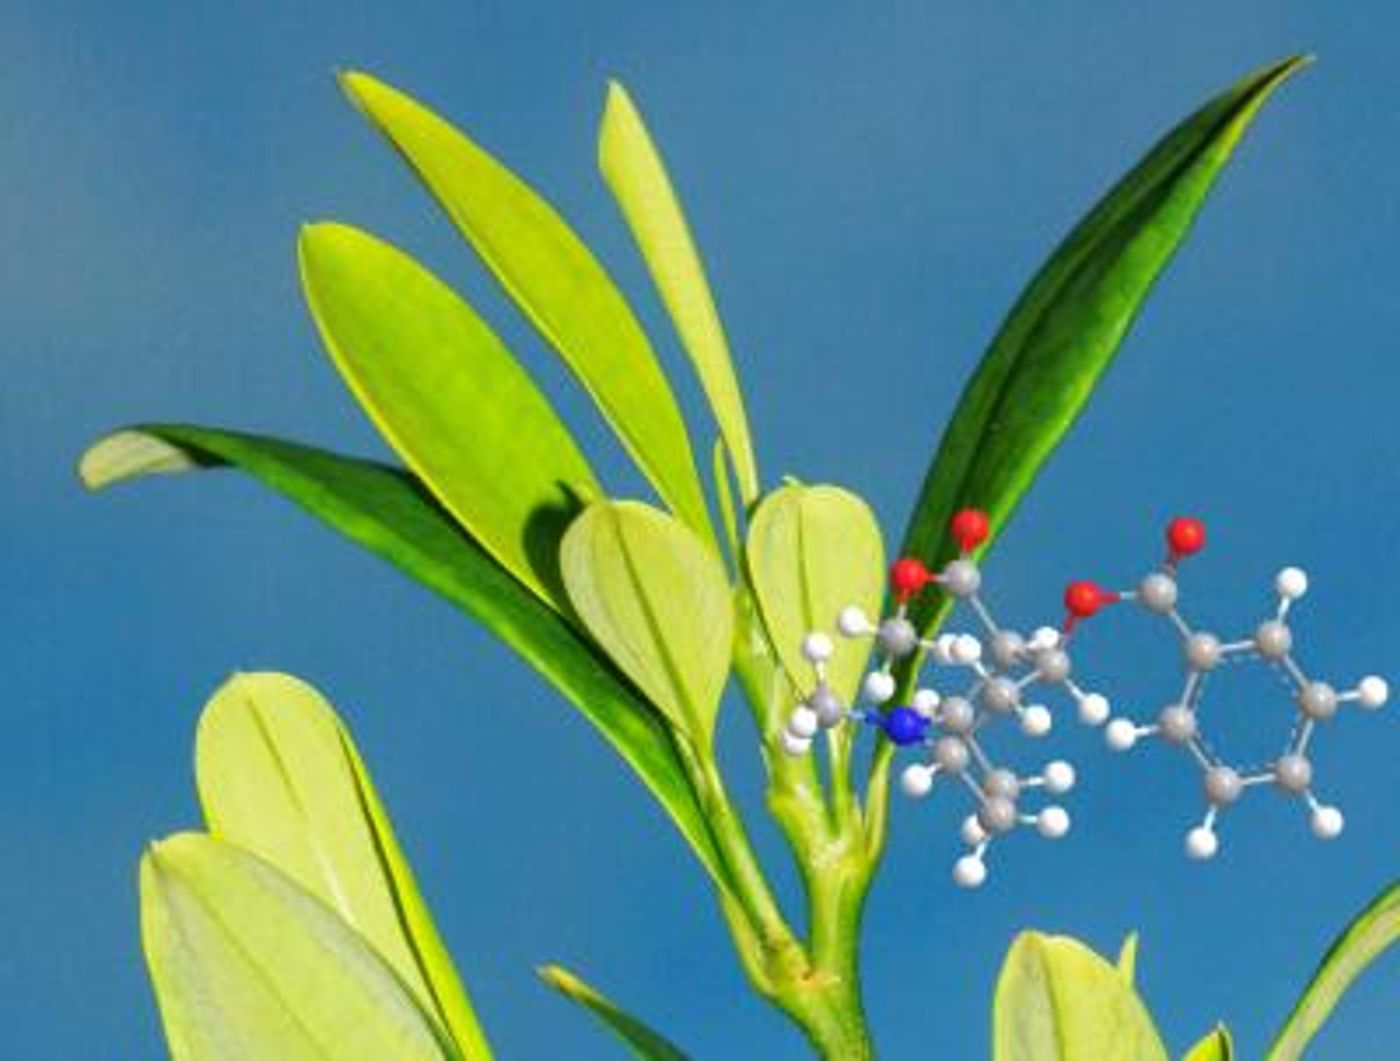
x: 794, y: 786
x: 817, y: 986
x: 750, y: 886
x: 877, y: 785
x: 832, y: 1019
x: 826, y: 1001
x: 877, y: 802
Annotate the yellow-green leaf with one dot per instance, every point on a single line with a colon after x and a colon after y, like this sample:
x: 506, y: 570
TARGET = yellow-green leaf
x: 657, y: 600
x: 641, y: 1041
x: 1216, y: 1045
x: 1056, y: 1000
x: 728, y: 511
x: 555, y: 280
x: 449, y: 397
x: 1371, y: 933
x: 390, y: 513
x: 279, y: 776
x: 1068, y: 323
x: 248, y: 964
x: 813, y: 550
x: 634, y: 170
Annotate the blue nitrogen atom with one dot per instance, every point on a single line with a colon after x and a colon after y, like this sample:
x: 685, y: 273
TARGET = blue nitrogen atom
x: 903, y: 725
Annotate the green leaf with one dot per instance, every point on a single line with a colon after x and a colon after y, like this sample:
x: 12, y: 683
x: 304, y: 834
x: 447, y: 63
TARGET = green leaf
x: 728, y: 511
x: 1068, y: 323
x: 555, y: 280
x: 1215, y: 1046
x: 658, y: 602
x: 247, y: 964
x: 813, y: 550
x: 633, y: 169
x: 280, y: 777
x: 1127, y: 957
x: 1056, y: 1000
x: 641, y: 1041
x: 389, y: 513
x: 450, y: 399
x: 1371, y: 933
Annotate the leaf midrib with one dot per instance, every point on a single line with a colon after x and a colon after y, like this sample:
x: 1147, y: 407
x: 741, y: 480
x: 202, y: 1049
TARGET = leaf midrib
x: 654, y: 627
x: 381, y: 855
x: 255, y: 966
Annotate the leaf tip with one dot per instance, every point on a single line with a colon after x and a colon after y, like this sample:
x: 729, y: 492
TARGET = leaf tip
x: 1024, y: 946
x: 554, y: 975
x: 150, y: 860
x: 357, y: 86
x: 319, y: 241
x: 131, y: 454
x: 616, y: 101
x: 314, y: 231
x: 372, y: 98
x: 1127, y: 957
x: 263, y: 695
x: 152, y: 884
x: 161, y: 856
x: 618, y: 111
x: 1277, y: 73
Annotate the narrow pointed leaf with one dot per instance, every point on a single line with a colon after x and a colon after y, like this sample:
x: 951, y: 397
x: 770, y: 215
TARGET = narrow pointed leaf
x: 280, y: 777
x: 449, y: 397
x: 1127, y: 957
x: 634, y: 170
x: 247, y: 964
x: 1056, y: 1000
x: 812, y: 551
x: 728, y: 511
x: 1215, y: 1046
x: 657, y: 601
x: 555, y: 280
x: 1372, y: 932
x: 641, y: 1041
x: 1068, y: 323
x: 387, y: 511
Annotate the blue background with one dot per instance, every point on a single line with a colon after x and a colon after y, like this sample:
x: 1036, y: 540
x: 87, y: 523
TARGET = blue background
x: 871, y: 186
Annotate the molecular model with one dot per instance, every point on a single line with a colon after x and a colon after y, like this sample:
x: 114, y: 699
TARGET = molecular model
x: 1179, y: 722
x: 949, y: 726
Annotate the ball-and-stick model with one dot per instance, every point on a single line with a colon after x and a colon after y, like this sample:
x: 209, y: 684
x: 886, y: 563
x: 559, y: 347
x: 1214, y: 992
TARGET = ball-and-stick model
x: 949, y: 726
x: 1179, y: 722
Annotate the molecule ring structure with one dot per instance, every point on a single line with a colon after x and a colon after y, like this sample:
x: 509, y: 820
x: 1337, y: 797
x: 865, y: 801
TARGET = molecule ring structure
x: 1179, y: 722
x: 1003, y: 673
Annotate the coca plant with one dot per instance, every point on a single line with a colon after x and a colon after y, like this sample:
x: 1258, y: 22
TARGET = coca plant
x: 292, y: 926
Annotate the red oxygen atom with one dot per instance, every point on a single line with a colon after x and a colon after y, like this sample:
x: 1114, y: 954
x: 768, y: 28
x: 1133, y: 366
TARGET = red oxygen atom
x: 1083, y: 599
x: 970, y: 528
x: 908, y: 576
x: 1186, y: 535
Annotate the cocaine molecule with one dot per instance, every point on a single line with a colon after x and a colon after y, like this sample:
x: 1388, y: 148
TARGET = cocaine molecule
x: 1179, y: 723
x: 1005, y: 666
x: 948, y: 726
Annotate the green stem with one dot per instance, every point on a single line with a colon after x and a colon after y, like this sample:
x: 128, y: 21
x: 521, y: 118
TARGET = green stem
x: 831, y: 1017
x: 877, y: 802
x: 750, y: 886
x: 826, y: 1001
x: 877, y: 784
x: 844, y: 810
x: 794, y: 795
x: 818, y: 985
x: 815, y: 984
